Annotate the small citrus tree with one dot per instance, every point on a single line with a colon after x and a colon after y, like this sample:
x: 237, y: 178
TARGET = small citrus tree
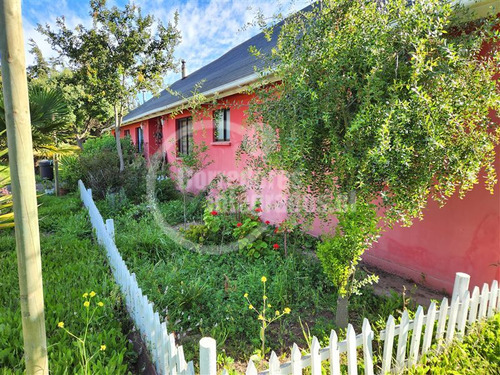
x: 380, y: 107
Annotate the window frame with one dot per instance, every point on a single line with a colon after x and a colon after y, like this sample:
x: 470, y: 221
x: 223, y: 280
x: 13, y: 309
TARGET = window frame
x: 139, y: 134
x: 184, y: 125
x: 226, y: 125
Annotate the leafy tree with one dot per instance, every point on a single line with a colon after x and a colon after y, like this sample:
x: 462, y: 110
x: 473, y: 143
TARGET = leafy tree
x: 122, y: 54
x: 89, y: 113
x: 380, y: 107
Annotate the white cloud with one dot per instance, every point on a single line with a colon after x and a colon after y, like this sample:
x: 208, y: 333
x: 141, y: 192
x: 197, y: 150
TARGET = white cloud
x: 209, y: 28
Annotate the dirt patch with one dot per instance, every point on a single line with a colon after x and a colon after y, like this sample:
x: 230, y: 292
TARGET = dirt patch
x: 388, y: 282
x: 143, y: 365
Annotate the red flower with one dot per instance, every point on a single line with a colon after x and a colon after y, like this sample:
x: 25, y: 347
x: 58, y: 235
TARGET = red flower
x: 214, y: 213
x: 276, y: 230
x: 239, y: 225
x: 276, y: 246
x: 258, y: 209
x: 268, y: 222
x: 259, y: 219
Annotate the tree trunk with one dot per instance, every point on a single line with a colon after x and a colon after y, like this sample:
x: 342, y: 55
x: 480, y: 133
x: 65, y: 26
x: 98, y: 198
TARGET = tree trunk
x: 79, y: 142
x: 118, y: 123
x: 342, y: 313
x: 20, y: 144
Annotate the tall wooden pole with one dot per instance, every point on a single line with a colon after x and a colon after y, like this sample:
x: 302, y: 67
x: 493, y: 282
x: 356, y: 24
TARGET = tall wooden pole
x: 15, y: 90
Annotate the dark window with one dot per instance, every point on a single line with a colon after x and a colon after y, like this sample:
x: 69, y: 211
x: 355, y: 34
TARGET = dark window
x: 140, y: 139
x: 127, y: 133
x: 222, y: 126
x: 184, y: 136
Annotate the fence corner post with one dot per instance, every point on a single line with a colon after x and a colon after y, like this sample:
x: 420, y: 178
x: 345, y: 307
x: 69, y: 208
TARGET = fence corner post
x: 208, y: 356
x: 461, y: 285
x: 110, y: 228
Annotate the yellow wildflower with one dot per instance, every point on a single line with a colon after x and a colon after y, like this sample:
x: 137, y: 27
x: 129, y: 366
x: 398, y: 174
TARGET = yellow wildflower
x: 263, y: 279
x: 60, y: 324
x: 85, y: 295
x: 245, y: 295
x: 265, y: 297
x: 277, y: 312
x: 286, y: 310
x: 86, y: 304
x: 268, y: 305
x: 100, y: 304
x: 103, y: 347
x: 261, y: 317
x: 92, y: 294
x: 250, y: 307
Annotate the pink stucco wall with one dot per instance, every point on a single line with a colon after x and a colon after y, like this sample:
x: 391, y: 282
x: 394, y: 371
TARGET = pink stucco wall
x: 464, y: 235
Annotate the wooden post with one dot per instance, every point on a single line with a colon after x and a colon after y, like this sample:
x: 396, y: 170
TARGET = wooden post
x: 15, y: 90
x: 462, y: 281
x: 208, y: 356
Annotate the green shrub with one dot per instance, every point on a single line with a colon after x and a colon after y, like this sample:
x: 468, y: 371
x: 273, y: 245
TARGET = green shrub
x: 166, y: 190
x: 71, y: 172
x: 95, y: 146
x: 98, y: 167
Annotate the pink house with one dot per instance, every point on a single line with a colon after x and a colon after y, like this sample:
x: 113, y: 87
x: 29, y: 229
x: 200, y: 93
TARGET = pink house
x: 462, y: 236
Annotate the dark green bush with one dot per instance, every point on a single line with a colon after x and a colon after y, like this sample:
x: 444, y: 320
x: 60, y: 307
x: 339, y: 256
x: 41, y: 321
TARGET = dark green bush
x: 98, y: 167
x: 166, y: 190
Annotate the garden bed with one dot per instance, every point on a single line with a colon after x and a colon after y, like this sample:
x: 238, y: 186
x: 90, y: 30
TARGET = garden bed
x: 201, y: 294
x: 72, y: 265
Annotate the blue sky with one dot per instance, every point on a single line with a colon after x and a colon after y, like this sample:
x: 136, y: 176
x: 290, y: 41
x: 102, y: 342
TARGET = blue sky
x: 209, y: 28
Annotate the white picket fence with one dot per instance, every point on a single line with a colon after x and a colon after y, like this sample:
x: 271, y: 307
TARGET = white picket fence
x: 437, y: 326
x: 167, y: 357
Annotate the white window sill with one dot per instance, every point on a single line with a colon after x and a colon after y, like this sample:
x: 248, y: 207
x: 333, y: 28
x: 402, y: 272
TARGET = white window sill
x: 221, y: 143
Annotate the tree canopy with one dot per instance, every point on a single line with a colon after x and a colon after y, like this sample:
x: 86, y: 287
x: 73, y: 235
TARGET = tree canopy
x: 121, y: 54
x: 380, y: 106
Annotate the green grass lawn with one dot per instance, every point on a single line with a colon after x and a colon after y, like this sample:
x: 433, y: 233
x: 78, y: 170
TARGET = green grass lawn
x: 72, y: 265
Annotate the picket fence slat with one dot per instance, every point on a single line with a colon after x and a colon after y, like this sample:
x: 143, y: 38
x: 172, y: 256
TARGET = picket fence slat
x: 462, y: 314
x: 498, y: 299
x: 274, y: 364
x: 493, y: 298
x: 367, y: 347
x: 443, y: 314
x: 251, y: 370
x: 483, y: 301
x: 334, y: 354
x: 296, y: 364
x: 415, y: 339
x: 452, y: 321
x: 388, y: 345
x: 168, y: 358
x: 402, y: 339
x: 474, y: 304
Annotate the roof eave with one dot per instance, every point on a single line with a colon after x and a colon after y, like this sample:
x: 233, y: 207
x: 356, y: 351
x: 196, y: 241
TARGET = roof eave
x: 225, y: 90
